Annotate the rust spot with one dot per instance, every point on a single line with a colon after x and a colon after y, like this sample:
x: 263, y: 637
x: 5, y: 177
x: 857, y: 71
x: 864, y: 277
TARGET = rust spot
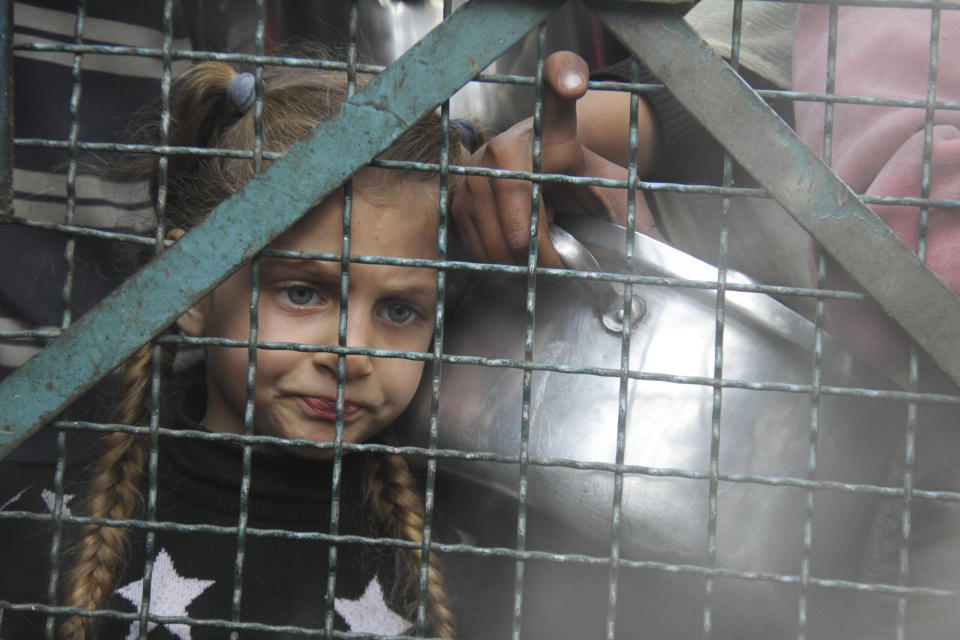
x: 49, y: 386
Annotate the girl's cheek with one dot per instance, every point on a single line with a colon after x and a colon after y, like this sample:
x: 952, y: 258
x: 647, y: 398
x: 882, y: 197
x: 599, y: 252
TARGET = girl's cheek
x: 419, y: 341
x: 287, y: 330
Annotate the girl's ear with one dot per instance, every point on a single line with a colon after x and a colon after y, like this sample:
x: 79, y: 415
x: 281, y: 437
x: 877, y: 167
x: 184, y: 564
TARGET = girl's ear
x: 191, y: 322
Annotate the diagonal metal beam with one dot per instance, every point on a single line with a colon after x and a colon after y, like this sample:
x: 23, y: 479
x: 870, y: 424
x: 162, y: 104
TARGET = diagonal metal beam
x: 426, y: 75
x: 773, y: 153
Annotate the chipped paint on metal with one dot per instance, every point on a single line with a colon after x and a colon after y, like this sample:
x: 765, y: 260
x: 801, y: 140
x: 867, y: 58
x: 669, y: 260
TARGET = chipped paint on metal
x: 688, y: 37
x: 828, y: 200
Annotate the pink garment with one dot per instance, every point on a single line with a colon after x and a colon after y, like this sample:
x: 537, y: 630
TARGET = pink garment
x: 884, y: 52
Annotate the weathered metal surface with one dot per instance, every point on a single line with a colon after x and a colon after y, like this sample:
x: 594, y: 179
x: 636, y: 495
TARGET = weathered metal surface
x: 773, y: 153
x: 426, y: 75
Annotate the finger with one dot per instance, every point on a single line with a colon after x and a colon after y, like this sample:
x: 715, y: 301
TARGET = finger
x: 484, y: 238
x: 566, y: 75
x: 547, y: 255
x: 565, y: 81
x: 488, y: 223
x: 520, y: 238
x: 513, y: 209
x: 463, y: 212
x: 476, y: 209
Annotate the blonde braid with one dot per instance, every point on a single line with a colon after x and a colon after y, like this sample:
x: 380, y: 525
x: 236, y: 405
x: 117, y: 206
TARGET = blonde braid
x: 391, y: 492
x: 114, y: 492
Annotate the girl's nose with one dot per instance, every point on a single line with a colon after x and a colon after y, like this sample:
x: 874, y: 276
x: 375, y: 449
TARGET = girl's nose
x: 359, y: 334
x: 358, y: 365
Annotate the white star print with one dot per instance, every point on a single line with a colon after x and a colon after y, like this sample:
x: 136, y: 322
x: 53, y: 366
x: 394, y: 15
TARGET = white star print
x: 13, y: 499
x: 50, y: 499
x: 170, y: 595
x: 370, y: 613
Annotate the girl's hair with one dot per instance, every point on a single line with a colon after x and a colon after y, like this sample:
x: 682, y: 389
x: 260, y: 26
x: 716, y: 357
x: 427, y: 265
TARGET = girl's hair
x: 203, y: 115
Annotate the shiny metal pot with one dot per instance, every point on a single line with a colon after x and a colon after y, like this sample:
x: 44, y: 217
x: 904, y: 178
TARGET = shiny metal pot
x: 764, y: 436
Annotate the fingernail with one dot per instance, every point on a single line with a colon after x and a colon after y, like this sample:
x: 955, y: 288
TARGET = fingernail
x: 572, y: 81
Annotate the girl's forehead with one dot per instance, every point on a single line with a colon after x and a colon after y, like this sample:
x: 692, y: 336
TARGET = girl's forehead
x: 399, y: 222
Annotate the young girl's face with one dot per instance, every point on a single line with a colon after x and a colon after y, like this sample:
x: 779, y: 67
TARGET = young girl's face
x: 390, y: 307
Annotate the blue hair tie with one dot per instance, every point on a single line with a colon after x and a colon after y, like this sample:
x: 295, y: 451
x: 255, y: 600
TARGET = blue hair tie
x: 241, y: 91
x: 467, y: 132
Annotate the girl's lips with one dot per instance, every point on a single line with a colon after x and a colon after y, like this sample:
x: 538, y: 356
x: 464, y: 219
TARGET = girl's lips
x: 326, y: 408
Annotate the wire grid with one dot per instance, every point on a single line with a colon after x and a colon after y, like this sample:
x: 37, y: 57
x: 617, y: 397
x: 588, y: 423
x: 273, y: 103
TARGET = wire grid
x: 626, y: 373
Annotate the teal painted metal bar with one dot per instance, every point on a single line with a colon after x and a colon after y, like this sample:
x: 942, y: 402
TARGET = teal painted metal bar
x: 421, y: 79
x: 706, y: 85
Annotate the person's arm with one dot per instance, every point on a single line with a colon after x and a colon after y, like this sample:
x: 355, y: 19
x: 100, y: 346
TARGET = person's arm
x: 493, y: 215
x: 603, y: 121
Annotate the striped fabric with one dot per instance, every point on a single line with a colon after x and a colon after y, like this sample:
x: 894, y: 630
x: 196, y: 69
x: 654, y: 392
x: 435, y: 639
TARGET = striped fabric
x: 112, y: 89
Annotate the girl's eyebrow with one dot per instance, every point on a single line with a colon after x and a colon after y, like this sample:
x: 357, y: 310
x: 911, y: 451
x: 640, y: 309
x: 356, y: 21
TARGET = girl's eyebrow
x: 302, y: 267
x: 415, y: 290
x: 329, y: 271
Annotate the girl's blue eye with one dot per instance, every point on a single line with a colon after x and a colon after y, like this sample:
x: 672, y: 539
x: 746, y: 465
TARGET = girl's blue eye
x: 300, y: 295
x: 399, y: 313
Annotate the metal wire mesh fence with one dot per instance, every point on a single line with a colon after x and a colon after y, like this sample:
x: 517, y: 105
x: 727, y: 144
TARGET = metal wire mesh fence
x: 645, y: 445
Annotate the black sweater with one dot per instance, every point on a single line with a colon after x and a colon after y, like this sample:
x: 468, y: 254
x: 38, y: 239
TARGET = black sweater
x: 285, y: 567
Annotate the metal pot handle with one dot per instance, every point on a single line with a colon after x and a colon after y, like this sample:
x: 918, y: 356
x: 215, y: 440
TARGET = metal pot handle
x: 609, y: 303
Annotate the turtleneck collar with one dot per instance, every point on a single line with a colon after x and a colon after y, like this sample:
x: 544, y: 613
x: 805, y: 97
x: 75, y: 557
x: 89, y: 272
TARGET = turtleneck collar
x: 283, y: 485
